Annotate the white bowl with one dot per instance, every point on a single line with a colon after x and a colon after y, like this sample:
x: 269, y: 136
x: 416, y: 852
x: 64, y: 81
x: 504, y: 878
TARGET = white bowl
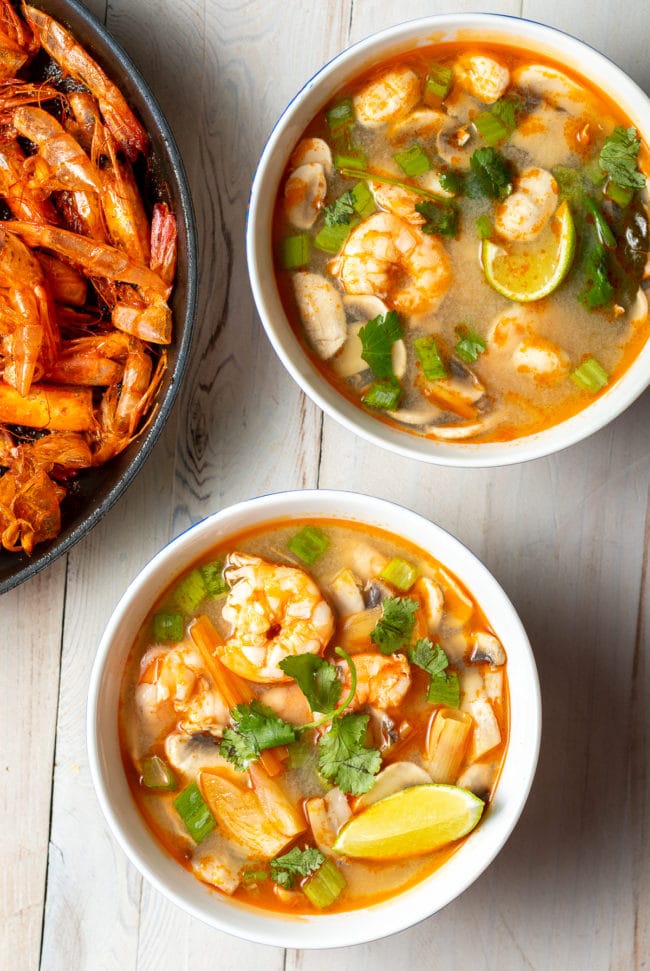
x: 335, y: 930
x: 480, y: 28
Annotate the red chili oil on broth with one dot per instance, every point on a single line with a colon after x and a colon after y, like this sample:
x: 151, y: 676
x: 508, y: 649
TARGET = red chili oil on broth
x: 178, y: 728
x: 513, y: 275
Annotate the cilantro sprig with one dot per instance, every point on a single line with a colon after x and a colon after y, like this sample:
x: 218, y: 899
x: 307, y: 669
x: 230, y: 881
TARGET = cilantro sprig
x: 341, y: 211
x: 317, y: 679
x: 377, y: 337
x: 618, y: 158
x: 444, y: 688
x: 343, y: 757
x: 394, y: 628
x: 441, y: 219
x: 255, y: 728
x: 295, y: 863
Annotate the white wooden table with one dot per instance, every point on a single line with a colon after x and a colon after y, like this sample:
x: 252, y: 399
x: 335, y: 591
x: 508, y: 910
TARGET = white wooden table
x: 567, y: 536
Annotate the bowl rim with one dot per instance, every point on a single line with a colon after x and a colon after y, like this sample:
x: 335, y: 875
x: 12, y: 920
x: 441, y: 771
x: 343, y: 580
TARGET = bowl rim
x: 321, y: 931
x: 401, y: 37
x: 149, y: 436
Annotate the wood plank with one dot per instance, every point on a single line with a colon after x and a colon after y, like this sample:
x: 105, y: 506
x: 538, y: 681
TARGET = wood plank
x: 30, y: 644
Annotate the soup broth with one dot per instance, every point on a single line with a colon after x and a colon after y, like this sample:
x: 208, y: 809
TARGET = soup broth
x: 461, y: 240
x: 314, y: 717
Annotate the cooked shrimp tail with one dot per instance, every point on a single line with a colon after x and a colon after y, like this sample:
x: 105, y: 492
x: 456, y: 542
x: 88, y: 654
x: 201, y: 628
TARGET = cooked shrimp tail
x: 75, y: 61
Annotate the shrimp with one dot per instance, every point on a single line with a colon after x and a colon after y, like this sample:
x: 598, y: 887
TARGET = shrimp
x: 60, y: 163
x: 32, y: 337
x: 304, y: 194
x: 16, y: 41
x: 381, y: 251
x: 387, y: 97
x: 24, y: 201
x: 276, y: 612
x: 484, y: 77
x: 525, y: 213
x: 75, y: 61
x: 382, y: 682
x: 175, y: 682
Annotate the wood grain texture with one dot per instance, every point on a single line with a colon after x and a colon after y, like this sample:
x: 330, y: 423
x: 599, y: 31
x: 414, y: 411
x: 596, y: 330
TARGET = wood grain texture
x: 567, y: 536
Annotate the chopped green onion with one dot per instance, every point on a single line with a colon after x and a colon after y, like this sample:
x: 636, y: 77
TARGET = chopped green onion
x: 309, y: 544
x: 294, y: 251
x: 590, y: 376
x: 400, y: 573
x: 593, y: 172
x: 340, y: 115
x: 430, y: 359
x: 616, y: 193
x: 364, y: 202
x: 168, y: 627
x: 490, y: 128
x: 325, y: 886
x: 469, y: 346
x: 156, y: 774
x: 413, y: 161
x: 213, y: 578
x: 604, y: 233
x: 444, y: 689
x: 330, y: 239
x: 385, y: 394
x: 193, y: 810
x: 355, y: 160
x: 438, y: 81
x: 484, y: 227
x: 190, y: 592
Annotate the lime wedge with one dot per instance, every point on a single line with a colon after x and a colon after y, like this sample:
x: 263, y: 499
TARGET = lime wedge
x: 410, y: 822
x: 529, y: 271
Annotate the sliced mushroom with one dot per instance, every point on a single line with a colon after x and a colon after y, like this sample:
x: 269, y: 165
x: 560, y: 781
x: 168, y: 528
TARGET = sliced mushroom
x: 431, y: 182
x: 552, y: 86
x: 313, y: 150
x: 458, y: 393
x: 382, y: 729
x: 455, y: 144
x: 486, y: 734
x: 487, y: 647
x: 494, y: 685
x: 326, y: 816
x: 394, y: 778
x: 375, y: 592
x: 345, y: 591
x: 478, y: 778
x: 304, y: 194
x: 421, y: 123
x: 321, y: 311
x: 639, y: 309
x: 219, y: 866
x: 364, y: 307
x: 460, y: 431
x: 420, y: 415
x: 189, y: 754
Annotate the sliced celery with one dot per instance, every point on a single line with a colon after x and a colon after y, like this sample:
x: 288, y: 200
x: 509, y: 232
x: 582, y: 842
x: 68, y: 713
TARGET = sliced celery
x: 413, y: 161
x: 213, y: 578
x: 340, y: 115
x: 330, y: 239
x: 430, y: 358
x: 325, y: 886
x: 364, y: 202
x: 385, y: 394
x: 193, y: 810
x: 400, y: 573
x: 168, y: 627
x: 484, y: 227
x: 438, y: 81
x: 190, y: 592
x: 590, y: 376
x: 309, y: 544
x: 490, y: 128
x: 294, y: 251
x: 616, y: 193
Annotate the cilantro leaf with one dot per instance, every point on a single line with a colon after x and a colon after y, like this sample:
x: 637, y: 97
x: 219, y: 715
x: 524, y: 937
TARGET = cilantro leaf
x: 618, y: 158
x: 343, y: 757
x: 393, y: 631
x: 490, y: 175
x: 255, y: 728
x: 377, y: 338
x: 317, y: 679
x: 295, y: 863
x: 340, y: 211
x: 453, y: 182
x: 441, y: 218
x: 506, y: 110
x: 470, y: 344
x: 444, y: 688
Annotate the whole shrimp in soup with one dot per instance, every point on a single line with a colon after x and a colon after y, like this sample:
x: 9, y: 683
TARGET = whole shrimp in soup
x: 276, y: 612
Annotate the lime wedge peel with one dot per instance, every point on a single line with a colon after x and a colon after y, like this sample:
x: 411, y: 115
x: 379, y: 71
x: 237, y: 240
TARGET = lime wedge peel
x: 411, y: 822
x: 531, y: 271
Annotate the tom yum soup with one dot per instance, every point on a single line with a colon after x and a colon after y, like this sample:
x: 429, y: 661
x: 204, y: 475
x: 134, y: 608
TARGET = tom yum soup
x: 461, y: 242
x: 314, y: 718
